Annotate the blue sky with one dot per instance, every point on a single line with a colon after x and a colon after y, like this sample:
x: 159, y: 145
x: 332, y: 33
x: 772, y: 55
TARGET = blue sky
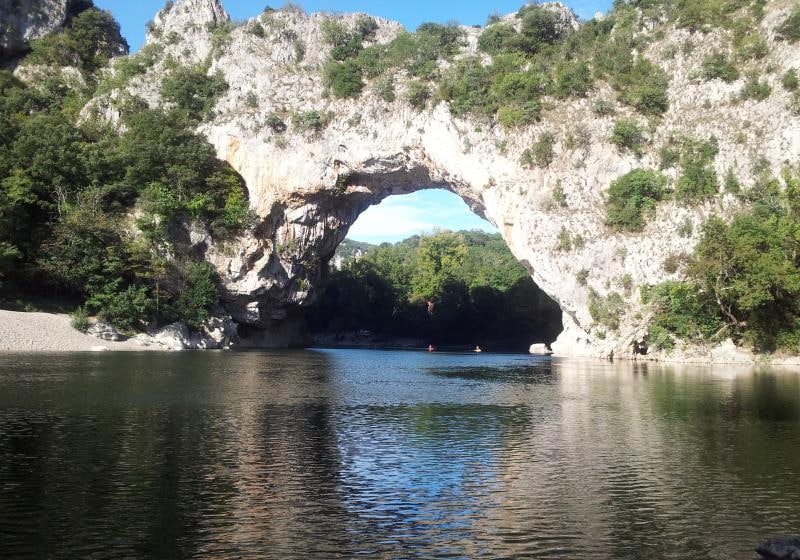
x: 397, y: 217
x: 134, y: 14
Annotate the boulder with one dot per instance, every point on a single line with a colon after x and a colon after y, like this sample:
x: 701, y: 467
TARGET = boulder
x: 105, y: 331
x: 217, y: 333
x: 780, y: 548
x: 173, y: 337
x: 540, y: 350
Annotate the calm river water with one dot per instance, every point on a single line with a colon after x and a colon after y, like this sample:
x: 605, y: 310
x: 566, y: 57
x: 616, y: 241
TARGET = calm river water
x: 348, y: 453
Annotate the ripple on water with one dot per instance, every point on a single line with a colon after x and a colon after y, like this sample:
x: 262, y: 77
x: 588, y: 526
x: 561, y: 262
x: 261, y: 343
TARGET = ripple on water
x: 346, y: 454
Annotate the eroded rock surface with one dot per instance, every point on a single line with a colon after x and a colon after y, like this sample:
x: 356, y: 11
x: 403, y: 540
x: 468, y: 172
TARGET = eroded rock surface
x: 307, y: 188
x: 22, y: 21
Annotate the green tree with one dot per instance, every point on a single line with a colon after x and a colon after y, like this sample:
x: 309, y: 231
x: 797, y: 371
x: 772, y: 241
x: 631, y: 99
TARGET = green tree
x: 437, y: 258
x: 193, y: 91
x: 344, y: 79
x: 632, y: 197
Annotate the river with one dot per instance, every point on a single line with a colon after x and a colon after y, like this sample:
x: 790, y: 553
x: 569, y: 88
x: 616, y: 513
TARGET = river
x: 382, y: 454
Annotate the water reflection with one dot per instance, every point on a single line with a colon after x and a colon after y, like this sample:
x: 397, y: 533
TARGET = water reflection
x: 390, y: 454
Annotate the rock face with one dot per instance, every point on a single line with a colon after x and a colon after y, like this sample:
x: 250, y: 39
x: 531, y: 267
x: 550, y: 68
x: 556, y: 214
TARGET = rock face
x: 307, y: 188
x: 21, y: 21
x: 215, y: 334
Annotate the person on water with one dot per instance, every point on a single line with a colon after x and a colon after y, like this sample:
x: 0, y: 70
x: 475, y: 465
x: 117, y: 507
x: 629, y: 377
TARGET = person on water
x: 431, y: 348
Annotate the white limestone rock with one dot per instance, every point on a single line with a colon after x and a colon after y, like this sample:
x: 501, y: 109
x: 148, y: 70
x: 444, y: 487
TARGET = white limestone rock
x: 22, y: 21
x: 105, y: 331
x: 540, y: 350
x: 307, y: 189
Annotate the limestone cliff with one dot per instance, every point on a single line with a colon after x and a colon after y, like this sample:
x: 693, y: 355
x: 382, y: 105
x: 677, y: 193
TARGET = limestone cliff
x: 308, y: 187
x: 22, y: 21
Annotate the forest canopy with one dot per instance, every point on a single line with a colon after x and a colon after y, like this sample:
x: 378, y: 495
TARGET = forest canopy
x: 462, y: 288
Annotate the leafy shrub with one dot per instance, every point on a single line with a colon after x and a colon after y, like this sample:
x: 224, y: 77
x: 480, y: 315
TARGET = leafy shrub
x: 564, y: 240
x: 755, y: 88
x: 699, y: 178
x: 127, y: 68
x: 606, y: 311
x: 540, y: 28
x: 573, y: 79
x: 732, y: 184
x: 627, y: 135
x: 418, y: 95
x: 312, y: 121
x: 384, y: 88
x: 496, y: 38
x: 669, y: 156
x: 197, y: 292
x: 674, y: 261
x: 686, y: 228
x: 541, y: 153
x: 632, y: 197
x: 220, y: 34
x: 717, y: 66
x: 512, y: 116
x: 79, y: 320
x: 789, y: 30
x: 603, y: 108
x: 579, y: 137
x: 466, y: 87
x: 790, y: 80
x: 258, y: 30
x: 344, y: 79
x: 367, y: 27
x: 680, y: 311
x: 193, y: 91
x: 299, y: 50
x: 794, y: 103
x: 89, y: 40
x: 345, y: 44
x: 559, y: 196
x: 276, y: 124
x: 752, y: 47
x: 643, y: 87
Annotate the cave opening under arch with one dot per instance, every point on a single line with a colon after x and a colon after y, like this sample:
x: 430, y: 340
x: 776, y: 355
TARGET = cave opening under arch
x: 374, y: 287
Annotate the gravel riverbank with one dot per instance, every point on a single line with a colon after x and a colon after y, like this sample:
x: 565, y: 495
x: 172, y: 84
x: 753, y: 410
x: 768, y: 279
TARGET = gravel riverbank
x: 48, y: 332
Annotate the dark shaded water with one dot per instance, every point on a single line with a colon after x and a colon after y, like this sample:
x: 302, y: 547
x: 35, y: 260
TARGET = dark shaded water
x: 338, y: 454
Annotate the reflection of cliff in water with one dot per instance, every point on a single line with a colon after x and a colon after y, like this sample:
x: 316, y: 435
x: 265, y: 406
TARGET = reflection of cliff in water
x: 386, y: 454
x: 630, y: 453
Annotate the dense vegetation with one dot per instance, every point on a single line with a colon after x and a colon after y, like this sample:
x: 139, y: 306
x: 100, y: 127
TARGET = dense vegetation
x: 632, y: 197
x: 74, y: 196
x: 744, y: 278
x: 537, y: 56
x: 546, y: 56
x: 477, y: 291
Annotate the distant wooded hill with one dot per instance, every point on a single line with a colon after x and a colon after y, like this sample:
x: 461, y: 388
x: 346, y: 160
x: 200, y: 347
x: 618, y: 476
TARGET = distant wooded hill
x: 448, y: 288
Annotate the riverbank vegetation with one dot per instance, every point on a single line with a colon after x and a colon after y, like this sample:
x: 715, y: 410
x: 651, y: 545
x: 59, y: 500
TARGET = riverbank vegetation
x: 91, y: 215
x: 743, y: 280
x: 447, y: 288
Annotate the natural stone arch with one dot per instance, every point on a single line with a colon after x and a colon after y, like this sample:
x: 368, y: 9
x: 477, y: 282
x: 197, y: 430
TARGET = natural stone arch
x: 299, y: 237
x: 306, y: 187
